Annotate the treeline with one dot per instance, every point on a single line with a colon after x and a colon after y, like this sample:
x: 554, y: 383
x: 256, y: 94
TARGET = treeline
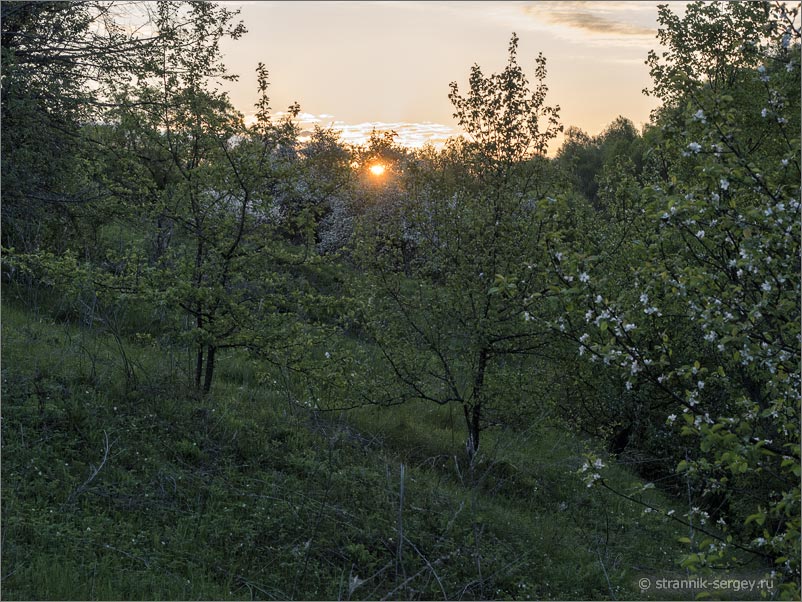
x: 641, y: 286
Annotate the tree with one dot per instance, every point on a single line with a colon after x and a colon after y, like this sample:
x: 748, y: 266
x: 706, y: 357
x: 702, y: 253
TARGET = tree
x: 698, y: 307
x: 213, y: 185
x: 585, y: 158
x: 63, y: 67
x: 44, y: 101
x: 449, y: 322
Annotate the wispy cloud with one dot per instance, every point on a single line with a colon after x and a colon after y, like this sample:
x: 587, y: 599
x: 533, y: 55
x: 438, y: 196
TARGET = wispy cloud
x: 604, y: 18
x: 412, y: 135
x: 619, y: 23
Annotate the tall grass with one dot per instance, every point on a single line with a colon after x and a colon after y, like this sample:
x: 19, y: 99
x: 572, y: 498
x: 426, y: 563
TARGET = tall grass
x: 245, y: 494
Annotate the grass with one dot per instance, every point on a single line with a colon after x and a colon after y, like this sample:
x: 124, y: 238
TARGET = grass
x: 245, y: 495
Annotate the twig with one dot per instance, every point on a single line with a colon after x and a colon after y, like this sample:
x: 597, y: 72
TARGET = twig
x: 400, y: 527
x: 683, y: 522
x: 431, y: 568
x: 606, y: 576
x: 95, y: 470
x: 411, y: 577
x: 453, y: 518
x: 144, y: 561
x: 318, y: 520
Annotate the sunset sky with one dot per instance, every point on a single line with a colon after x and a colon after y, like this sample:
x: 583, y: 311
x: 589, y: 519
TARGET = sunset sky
x: 359, y: 65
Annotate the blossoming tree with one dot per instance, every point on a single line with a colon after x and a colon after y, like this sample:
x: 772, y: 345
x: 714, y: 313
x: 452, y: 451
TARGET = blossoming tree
x: 699, y: 303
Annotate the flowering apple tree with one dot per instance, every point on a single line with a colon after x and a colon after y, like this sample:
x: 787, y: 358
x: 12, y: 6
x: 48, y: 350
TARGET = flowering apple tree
x: 699, y: 301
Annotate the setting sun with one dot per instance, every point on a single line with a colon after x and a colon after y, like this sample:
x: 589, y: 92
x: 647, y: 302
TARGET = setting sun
x: 377, y: 170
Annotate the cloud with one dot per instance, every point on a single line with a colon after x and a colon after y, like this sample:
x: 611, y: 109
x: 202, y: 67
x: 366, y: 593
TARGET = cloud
x: 598, y: 18
x: 412, y: 135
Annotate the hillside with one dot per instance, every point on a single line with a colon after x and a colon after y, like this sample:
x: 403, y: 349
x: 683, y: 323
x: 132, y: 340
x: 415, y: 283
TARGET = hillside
x: 242, y: 495
x: 245, y: 360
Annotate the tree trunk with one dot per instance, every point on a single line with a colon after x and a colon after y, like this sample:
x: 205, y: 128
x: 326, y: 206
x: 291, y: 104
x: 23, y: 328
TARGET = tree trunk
x: 199, y: 361
x: 199, y: 367
x: 473, y: 411
x: 472, y: 414
x: 207, y: 381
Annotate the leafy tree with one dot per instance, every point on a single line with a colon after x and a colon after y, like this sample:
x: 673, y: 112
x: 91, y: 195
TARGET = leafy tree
x: 63, y: 64
x: 447, y: 322
x: 44, y: 101
x: 585, y: 158
x: 327, y: 183
x: 213, y: 186
x: 697, y: 306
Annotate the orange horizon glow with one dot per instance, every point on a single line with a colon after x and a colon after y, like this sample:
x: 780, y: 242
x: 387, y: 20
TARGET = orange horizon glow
x: 377, y: 169
x: 594, y: 49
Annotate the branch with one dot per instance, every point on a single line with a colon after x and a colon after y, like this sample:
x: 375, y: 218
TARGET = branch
x: 95, y: 471
x: 682, y: 522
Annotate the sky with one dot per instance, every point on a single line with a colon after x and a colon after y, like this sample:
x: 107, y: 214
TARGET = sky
x: 356, y: 65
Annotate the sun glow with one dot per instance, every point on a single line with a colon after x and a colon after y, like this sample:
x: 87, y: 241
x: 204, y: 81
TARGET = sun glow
x: 377, y: 169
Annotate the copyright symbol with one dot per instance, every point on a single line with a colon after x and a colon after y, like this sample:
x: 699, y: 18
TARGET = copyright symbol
x: 644, y: 583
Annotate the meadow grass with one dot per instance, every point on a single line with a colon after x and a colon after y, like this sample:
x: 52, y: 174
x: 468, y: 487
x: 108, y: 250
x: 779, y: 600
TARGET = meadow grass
x: 121, y: 490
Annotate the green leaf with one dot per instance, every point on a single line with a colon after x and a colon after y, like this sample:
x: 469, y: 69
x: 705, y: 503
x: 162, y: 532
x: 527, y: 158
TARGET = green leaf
x: 759, y: 518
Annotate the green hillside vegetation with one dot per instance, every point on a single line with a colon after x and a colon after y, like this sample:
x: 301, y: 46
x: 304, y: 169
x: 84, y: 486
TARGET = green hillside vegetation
x: 245, y: 494
x: 239, y: 365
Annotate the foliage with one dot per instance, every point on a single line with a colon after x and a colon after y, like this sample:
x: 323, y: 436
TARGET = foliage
x: 192, y: 302
x: 694, y: 294
x: 586, y: 159
x: 194, y: 496
x: 445, y: 319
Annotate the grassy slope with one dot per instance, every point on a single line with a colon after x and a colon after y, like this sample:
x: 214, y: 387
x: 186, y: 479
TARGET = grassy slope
x: 243, y: 495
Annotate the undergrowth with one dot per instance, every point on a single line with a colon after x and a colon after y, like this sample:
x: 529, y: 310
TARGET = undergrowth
x: 120, y: 490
